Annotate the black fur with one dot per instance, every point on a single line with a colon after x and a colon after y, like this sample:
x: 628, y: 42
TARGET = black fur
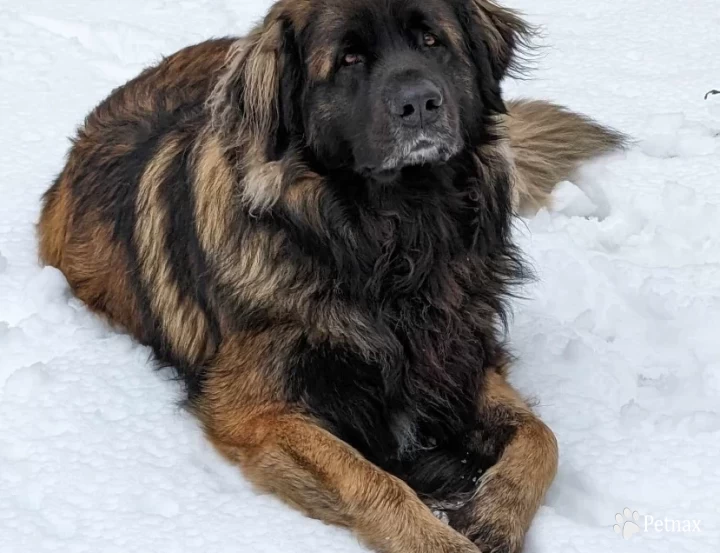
x: 432, y: 267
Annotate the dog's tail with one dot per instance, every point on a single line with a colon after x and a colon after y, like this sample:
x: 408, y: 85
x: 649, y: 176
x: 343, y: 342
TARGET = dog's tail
x: 548, y: 143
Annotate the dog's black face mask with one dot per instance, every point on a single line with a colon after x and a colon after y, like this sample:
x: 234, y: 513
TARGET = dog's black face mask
x: 393, y: 84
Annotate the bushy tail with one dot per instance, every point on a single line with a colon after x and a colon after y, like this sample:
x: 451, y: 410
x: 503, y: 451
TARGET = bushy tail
x: 548, y: 143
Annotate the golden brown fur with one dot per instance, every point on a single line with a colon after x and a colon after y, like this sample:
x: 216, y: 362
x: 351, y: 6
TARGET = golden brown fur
x: 516, y: 485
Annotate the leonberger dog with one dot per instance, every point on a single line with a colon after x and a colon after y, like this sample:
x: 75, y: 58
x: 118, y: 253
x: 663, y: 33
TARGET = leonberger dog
x: 312, y: 225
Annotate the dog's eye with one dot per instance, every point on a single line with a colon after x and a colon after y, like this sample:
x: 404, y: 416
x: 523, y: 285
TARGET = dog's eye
x: 430, y: 40
x: 352, y: 58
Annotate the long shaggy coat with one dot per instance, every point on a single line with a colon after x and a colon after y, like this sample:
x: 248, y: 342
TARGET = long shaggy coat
x: 340, y: 338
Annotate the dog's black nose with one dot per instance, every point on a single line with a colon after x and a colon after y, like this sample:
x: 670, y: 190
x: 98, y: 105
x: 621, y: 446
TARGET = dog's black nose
x: 417, y: 103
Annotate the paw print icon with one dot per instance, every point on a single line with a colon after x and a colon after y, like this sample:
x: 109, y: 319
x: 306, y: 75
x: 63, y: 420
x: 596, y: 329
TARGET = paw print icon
x: 627, y: 524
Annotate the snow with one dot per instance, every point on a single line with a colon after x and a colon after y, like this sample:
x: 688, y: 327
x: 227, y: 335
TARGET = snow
x: 618, y: 341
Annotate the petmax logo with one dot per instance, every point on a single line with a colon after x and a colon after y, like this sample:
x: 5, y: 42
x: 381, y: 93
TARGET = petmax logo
x: 629, y: 523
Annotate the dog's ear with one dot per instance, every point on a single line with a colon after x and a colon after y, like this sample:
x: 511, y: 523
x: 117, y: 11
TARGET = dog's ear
x: 504, y: 34
x: 494, y: 37
x: 255, y: 104
x: 254, y: 99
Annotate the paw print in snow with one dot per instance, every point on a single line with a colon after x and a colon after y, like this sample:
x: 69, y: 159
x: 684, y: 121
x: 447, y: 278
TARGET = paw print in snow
x: 627, y: 524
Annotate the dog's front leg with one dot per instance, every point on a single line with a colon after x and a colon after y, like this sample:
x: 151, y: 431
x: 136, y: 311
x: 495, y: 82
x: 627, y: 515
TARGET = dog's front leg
x: 511, y: 491
x: 285, y: 452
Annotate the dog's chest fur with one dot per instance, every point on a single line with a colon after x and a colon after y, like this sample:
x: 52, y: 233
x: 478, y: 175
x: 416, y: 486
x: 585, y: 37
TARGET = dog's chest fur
x: 414, y: 272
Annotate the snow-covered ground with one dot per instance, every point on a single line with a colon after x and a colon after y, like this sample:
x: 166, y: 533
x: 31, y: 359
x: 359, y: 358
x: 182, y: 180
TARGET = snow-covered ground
x: 619, y: 341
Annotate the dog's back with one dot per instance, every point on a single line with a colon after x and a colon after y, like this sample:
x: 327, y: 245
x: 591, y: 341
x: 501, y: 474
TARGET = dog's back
x: 87, y: 225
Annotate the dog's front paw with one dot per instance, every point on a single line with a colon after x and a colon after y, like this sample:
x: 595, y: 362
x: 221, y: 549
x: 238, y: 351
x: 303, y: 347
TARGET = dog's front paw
x: 492, y: 541
x: 496, y: 530
x: 455, y: 543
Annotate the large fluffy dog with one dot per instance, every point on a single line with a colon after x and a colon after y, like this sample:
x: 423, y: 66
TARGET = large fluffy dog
x: 312, y: 225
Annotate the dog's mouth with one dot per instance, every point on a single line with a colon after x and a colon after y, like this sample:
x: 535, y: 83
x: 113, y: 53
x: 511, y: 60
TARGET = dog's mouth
x: 418, y: 152
x: 422, y: 151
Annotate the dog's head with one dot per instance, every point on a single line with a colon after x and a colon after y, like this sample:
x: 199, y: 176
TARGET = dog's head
x: 372, y: 86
